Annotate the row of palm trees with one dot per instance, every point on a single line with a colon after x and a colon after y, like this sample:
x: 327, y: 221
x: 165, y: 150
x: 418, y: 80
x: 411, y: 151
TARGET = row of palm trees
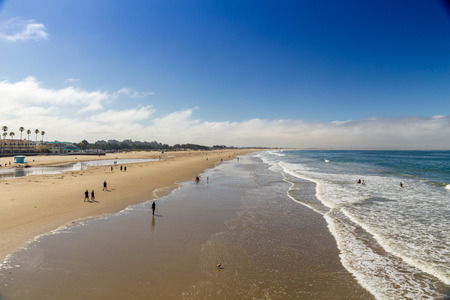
x: 22, y: 129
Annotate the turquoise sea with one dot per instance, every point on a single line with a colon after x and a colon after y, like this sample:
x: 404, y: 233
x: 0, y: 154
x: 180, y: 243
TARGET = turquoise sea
x: 394, y: 239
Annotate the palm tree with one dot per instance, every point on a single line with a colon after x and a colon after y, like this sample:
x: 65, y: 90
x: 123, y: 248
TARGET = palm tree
x: 11, y: 134
x: 4, y: 136
x: 42, y: 132
x: 5, y: 129
x: 28, y: 144
x: 21, y: 129
x: 35, y: 142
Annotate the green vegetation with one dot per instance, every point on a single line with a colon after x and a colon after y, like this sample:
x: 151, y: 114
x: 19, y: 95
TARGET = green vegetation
x: 129, y: 145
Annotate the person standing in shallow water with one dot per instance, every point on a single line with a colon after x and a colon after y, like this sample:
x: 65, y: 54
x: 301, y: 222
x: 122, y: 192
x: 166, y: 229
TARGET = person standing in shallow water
x: 153, y: 207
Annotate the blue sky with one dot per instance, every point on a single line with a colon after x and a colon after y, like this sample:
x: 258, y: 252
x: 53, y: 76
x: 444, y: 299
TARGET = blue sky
x: 325, y: 74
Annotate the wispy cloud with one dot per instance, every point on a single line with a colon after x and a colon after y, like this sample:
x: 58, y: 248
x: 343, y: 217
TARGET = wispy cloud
x: 133, y: 94
x: 124, y: 116
x: 74, y: 114
x: 18, y: 29
x: 71, y: 80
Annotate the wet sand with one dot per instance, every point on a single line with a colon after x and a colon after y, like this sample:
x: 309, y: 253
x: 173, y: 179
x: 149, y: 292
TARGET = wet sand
x: 269, y: 247
x: 34, y: 205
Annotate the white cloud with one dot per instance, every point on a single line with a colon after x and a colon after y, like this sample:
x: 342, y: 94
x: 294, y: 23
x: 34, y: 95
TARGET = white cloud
x: 30, y: 92
x: 340, y: 122
x: 381, y: 133
x: 132, y: 93
x: 71, y: 80
x: 74, y: 114
x: 124, y: 116
x: 18, y: 29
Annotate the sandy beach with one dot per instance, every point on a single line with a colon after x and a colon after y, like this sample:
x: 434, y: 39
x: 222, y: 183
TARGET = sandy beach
x: 33, y: 205
x: 269, y: 247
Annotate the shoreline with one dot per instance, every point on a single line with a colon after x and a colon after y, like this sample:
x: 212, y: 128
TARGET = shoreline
x: 267, y: 246
x: 37, y: 204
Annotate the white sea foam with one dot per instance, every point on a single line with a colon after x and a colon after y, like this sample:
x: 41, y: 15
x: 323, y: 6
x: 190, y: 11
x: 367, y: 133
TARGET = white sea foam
x: 414, y: 254
x: 403, y: 226
x: 411, y: 223
x: 277, y: 153
x: 385, y: 277
x: 295, y: 200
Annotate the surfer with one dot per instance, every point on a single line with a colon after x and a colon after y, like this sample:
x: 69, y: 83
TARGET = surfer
x: 401, y: 184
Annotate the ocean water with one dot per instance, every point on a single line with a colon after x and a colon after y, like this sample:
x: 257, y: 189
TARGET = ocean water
x: 395, y: 240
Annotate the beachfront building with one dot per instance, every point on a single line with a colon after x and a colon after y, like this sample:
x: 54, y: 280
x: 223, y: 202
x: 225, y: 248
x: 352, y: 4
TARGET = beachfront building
x: 16, y: 146
x: 57, y: 147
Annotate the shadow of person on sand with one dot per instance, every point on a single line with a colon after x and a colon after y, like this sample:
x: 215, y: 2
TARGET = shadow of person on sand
x: 153, y: 220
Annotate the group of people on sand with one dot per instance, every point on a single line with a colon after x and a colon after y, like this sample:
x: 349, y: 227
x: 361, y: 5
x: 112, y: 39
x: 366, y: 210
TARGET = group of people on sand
x: 122, y: 168
x: 86, y: 193
x: 86, y: 196
x: 105, y: 188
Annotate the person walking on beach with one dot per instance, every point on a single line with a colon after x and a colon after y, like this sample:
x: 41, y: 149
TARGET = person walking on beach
x: 105, y: 186
x: 153, y: 207
x: 92, y: 196
x: 86, y: 195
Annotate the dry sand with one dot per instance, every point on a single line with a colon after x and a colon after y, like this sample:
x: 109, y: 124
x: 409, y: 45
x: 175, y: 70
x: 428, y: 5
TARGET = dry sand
x: 33, y: 205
